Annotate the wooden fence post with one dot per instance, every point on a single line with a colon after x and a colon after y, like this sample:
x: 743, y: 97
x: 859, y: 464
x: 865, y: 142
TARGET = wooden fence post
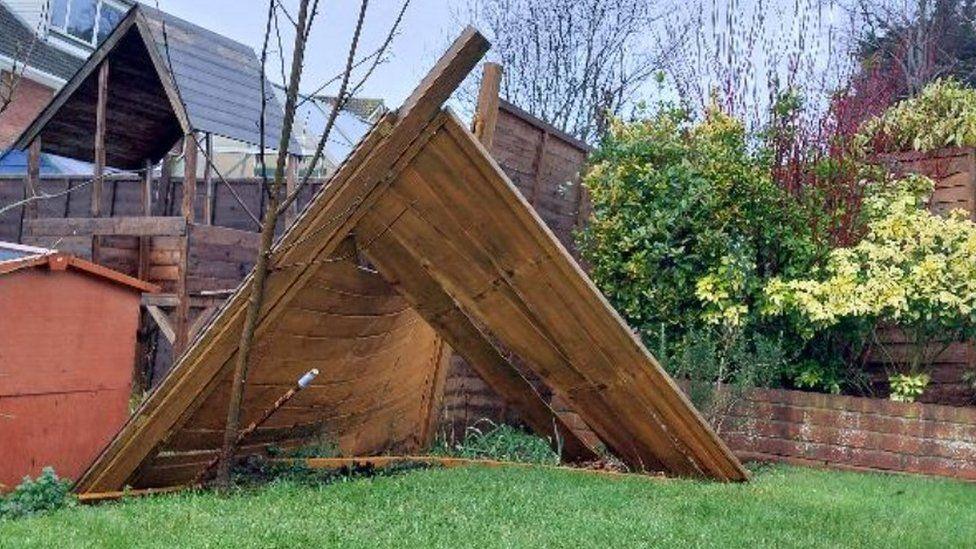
x: 187, y: 209
x: 208, y: 205
x: 291, y: 180
x: 99, y: 175
x: 486, y: 112
x: 33, y: 177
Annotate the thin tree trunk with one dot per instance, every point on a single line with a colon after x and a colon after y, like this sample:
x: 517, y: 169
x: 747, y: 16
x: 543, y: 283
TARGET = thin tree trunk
x: 269, y: 222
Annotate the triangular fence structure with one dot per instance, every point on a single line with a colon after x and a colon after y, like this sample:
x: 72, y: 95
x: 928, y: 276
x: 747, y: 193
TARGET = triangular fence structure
x: 418, y: 237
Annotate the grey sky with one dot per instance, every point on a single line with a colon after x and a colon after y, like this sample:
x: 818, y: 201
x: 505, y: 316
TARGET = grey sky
x: 430, y: 25
x: 427, y: 28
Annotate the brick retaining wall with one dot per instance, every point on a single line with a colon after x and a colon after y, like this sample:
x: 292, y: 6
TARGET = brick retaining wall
x: 851, y: 432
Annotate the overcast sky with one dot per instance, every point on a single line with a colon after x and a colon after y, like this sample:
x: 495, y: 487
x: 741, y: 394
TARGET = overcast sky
x: 427, y: 28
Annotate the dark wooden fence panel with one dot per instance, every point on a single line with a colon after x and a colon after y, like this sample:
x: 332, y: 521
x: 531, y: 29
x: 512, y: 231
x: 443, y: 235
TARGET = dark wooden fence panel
x: 545, y: 165
x: 123, y: 198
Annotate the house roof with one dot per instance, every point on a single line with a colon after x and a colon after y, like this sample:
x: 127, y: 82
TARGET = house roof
x: 458, y: 255
x: 351, y: 123
x: 167, y: 77
x: 16, y: 257
x: 20, y: 42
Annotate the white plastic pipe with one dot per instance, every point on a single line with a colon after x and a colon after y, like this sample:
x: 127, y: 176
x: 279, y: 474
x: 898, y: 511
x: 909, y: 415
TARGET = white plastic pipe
x: 308, y: 378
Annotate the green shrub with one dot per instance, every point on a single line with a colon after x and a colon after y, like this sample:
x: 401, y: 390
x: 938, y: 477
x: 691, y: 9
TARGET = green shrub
x: 914, y: 270
x: 36, y: 496
x: 499, y: 442
x: 907, y: 388
x: 687, y: 227
x: 942, y: 115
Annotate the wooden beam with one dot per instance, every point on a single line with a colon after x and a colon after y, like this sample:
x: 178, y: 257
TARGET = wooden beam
x: 208, y: 182
x: 190, y: 155
x: 33, y: 178
x: 165, y: 185
x: 291, y: 180
x: 486, y: 111
x: 145, y: 242
x: 380, y: 462
x: 162, y: 320
x: 110, y: 226
x: 100, y: 114
x: 99, y: 175
x: 538, y: 167
x: 188, y: 209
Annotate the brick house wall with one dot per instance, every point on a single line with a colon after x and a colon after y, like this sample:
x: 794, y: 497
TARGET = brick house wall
x: 29, y: 99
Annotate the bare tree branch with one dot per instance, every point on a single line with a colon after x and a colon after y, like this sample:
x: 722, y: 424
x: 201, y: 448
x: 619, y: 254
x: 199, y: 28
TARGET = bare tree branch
x: 570, y: 62
x: 260, y: 273
x: 340, y: 102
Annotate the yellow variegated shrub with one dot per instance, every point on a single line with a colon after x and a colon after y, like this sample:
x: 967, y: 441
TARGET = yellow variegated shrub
x: 913, y: 269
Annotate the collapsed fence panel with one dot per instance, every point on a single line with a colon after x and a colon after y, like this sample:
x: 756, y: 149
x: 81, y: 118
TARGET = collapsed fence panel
x: 461, y: 257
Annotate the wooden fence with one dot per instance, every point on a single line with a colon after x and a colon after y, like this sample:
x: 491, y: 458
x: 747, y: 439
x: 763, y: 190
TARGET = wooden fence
x: 233, y: 203
x: 546, y: 165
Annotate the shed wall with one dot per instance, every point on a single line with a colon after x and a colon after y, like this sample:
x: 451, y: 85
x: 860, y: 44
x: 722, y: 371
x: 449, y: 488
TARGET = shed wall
x: 67, y: 349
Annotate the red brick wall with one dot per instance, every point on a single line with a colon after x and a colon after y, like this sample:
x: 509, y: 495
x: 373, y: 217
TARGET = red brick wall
x: 28, y: 100
x: 851, y: 432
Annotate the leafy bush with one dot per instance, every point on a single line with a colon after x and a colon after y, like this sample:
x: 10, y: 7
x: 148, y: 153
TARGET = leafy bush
x: 942, y: 115
x: 36, y: 496
x: 914, y: 270
x: 500, y: 442
x: 907, y: 388
x: 688, y: 226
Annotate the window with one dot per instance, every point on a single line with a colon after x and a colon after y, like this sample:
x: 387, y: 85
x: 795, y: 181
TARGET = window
x: 108, y: 18
x: 59, y: 13
x: 85, y: 20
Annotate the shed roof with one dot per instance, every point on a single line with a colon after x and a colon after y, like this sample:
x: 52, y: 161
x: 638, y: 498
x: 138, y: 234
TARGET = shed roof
x: 16, y: 257
x: 167, y: 77
x: 458, y: 254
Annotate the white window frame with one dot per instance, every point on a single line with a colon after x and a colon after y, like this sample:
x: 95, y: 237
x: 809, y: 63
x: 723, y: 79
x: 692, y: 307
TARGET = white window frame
x: 63, y: 31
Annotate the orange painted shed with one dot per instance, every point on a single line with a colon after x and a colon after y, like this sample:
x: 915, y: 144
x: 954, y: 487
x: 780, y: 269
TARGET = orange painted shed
x: 67, y: 352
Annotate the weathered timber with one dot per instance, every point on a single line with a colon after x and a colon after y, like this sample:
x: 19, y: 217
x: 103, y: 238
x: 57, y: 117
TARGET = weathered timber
x: 480, y: 270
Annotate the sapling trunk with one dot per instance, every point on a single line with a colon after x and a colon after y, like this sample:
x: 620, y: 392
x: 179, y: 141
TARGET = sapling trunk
x: 262, y: 264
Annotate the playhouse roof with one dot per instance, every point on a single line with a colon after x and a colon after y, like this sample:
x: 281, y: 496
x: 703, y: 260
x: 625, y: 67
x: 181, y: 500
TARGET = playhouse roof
x: 418, y: 238
x: 167, y: 78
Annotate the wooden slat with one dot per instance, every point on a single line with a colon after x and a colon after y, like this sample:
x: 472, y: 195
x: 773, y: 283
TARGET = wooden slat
x: 486, y: 110
x: 33, y: 177
x: 432, y: 302
x: 132, y: 226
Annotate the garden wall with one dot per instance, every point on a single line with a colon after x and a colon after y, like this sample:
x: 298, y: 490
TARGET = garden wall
x: 851, y: 432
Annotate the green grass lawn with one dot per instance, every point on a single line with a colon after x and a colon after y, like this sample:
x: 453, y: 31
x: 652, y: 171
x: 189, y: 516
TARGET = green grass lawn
x: 514, y: 507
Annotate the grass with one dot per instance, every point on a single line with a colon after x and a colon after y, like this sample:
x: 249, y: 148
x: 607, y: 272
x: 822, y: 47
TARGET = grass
x: 534, y: 507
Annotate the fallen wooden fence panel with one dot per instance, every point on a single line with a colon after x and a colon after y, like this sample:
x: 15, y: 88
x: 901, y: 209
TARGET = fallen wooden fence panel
x: 417, y: 240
